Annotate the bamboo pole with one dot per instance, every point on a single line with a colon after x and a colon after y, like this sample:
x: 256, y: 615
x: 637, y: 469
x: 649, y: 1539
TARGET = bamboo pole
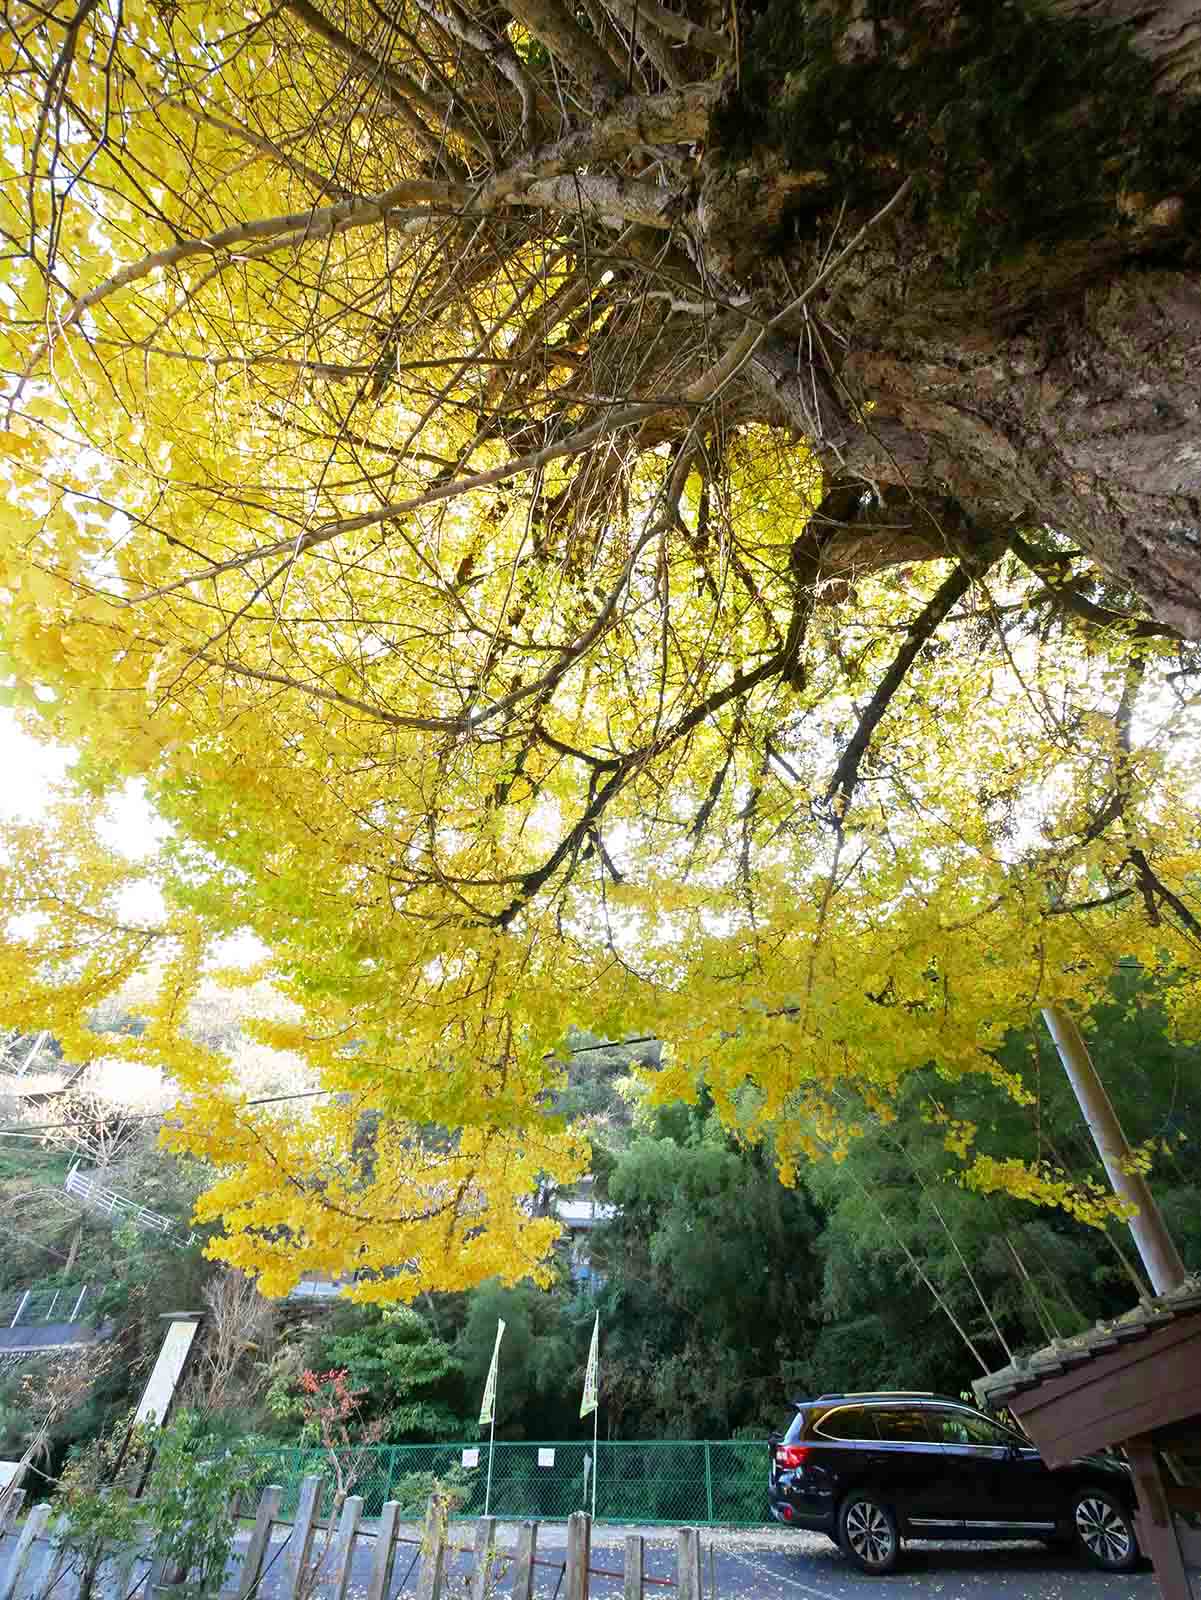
x: 1159, y: 1254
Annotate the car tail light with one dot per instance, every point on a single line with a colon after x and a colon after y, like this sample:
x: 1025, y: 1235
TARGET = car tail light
x: 792, y: 1455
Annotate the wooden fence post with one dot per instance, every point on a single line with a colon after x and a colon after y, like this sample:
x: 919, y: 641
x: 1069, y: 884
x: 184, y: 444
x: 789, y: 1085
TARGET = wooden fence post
x: 42, y: 1575
x: 35, y: 1528
x: 301, y: 1542
x: 579, y: 1554
x: 433, y: 1551
x: 523, y: 1566
x: 380, y: 1580
x: 260, y: 1540
x: 485, y: 1545
x: 348, y: 1527
x: 12, y: 1510
x: 688, y: 1564
x: 632, y: 1589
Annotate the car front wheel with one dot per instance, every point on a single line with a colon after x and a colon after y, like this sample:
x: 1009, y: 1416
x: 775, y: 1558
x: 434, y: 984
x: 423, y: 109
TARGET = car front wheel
x: 1105, y: 1531
x: 867, y: 1532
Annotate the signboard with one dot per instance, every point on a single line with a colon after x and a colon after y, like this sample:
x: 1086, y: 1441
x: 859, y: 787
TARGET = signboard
x: 471, y: 1458
x: 10, y: 1471
x: 546, y: 1458
x: 160, y: 1387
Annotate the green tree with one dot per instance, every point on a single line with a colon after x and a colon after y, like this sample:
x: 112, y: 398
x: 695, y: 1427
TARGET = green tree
x: 541, y: 1358
x: 408, y: 1378
x: 714, y: 1282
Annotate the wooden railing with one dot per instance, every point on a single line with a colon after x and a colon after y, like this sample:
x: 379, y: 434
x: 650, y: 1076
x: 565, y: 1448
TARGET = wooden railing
x: 318, y: 1557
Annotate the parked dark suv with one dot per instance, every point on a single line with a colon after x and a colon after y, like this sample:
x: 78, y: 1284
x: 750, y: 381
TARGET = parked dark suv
x: 873, y: 1469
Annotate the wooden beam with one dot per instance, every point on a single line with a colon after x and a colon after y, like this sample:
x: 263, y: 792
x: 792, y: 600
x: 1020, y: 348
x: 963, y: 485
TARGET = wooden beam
x: 348, y: 1527
x: 1156, y: 1525
x: 632, y: 1586
x: 523, y: 1565
x: 380, y: 1580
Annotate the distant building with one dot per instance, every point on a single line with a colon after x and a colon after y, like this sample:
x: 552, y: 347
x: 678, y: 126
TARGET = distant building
x: 579, y: 1219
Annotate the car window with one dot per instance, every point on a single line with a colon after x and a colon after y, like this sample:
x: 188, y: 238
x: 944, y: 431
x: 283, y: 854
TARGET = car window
x: 793, y: 1431
x: 847, y: 1422
x: 903, y: 1425
x: 964, y: 1427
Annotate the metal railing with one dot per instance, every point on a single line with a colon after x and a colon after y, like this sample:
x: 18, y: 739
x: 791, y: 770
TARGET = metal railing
x: 717, y: 1482
x: 95, y: 1195
x: 29, y: 1306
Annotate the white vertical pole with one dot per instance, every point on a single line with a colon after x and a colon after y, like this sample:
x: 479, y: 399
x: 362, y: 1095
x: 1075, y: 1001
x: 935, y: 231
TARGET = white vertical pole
x: 595, y: 1457
x: 1155, y: 1246
x: 491, y: 1444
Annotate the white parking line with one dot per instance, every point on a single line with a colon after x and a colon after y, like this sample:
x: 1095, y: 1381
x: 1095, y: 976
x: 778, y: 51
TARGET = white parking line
x: 779, y: 1577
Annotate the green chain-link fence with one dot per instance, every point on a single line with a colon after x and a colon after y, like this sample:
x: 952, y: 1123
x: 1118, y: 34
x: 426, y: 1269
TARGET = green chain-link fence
x: 685, y: 1481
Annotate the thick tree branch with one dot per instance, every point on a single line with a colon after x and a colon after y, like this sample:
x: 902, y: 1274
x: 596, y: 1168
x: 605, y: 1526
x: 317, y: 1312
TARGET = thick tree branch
x: 1049, y: 567
x: 842, y: 784
x: 673, y: 26
x: 568, y: 43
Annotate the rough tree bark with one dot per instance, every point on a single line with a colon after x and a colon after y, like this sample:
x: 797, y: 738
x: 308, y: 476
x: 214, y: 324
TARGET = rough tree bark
x: 1020, y: 341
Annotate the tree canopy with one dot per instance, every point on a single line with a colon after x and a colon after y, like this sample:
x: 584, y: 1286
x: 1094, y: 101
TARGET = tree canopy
x: 518, y: 621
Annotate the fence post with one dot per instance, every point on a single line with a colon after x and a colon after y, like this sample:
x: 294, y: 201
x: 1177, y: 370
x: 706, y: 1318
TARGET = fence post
x: 12, y: 1510
x: 523, y: 1565
x: 708, y: 1480
x: 384, y: 1555
x: 260, y: 1540
x: 433, y: 1551
x: 485, y: 1544
x: 348, y: 1527
x: 301, y: 1541
x: 35, y: 1528
x: 632, y: 1589
x: 579, y: 1554
x: 688, y: 1564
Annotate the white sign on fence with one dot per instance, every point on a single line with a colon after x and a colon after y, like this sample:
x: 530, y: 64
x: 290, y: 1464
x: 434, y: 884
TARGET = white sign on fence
x: 546, y: 1458
x: 471, y: 1458
x: 10, y: 1471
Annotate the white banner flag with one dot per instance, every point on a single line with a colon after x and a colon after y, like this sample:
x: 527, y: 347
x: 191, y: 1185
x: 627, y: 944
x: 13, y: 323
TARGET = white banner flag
x: 588, y: 1403
x: 488, y: 1409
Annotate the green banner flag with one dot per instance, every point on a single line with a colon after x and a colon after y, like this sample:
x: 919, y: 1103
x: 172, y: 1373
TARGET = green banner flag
x: 488, y: 1409
x: 588, y: 1403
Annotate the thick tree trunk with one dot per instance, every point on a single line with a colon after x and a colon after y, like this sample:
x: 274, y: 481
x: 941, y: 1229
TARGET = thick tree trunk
x: 1023, y: 334
x: 1088, y: 420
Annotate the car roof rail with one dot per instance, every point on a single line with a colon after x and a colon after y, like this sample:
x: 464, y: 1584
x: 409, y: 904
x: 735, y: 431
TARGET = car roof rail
x: 882, y: 1394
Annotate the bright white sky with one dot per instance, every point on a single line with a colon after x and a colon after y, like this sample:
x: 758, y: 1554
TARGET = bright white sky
x: 30, y: 770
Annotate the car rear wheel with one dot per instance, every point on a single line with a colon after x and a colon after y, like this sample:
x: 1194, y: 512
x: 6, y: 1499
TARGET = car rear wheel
x: 867, y: 1532
x: 1105, y: 1531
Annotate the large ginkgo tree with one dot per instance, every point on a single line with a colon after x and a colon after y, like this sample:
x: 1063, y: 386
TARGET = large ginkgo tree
x: 672, y: 519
